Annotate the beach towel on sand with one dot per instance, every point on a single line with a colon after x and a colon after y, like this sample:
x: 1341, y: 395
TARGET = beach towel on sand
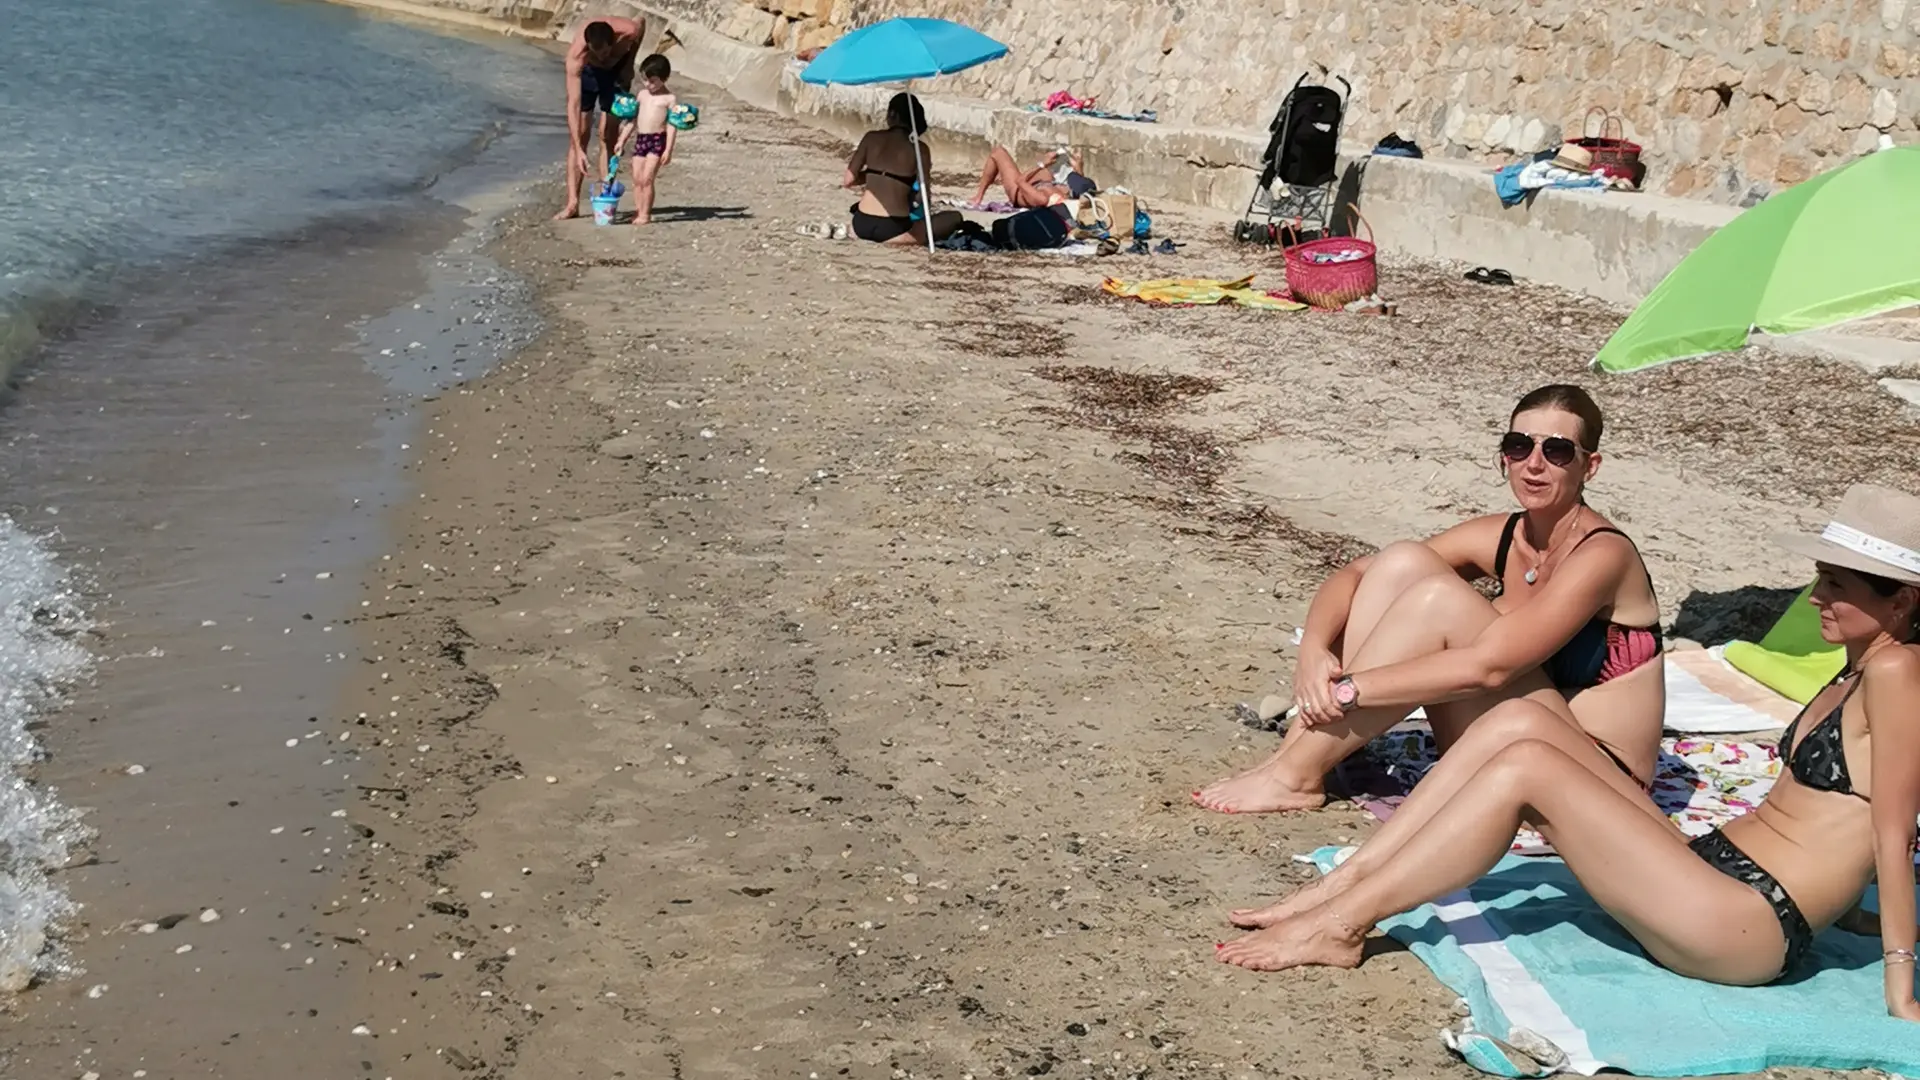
x: 1529, y: 950
x: 1792, y: 659
x: 1700, y: 783
x: 1186, y: 292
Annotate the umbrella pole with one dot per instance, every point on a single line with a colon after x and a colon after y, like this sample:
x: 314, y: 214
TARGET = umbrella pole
x: 926, y: 197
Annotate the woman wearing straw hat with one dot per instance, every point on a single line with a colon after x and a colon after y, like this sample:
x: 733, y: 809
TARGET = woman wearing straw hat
x: 1740, y: 905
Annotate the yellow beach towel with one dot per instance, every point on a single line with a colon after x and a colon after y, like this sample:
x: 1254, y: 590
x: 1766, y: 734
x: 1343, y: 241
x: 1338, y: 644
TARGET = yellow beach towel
x: 1185, y: 291
x: 1792, y: 659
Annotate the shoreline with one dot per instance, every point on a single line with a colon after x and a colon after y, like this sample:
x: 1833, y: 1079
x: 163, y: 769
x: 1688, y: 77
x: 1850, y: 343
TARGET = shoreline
x: 250, y: 541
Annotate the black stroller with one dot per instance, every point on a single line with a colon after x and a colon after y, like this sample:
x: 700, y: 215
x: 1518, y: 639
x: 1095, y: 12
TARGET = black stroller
x: 1304, y: 157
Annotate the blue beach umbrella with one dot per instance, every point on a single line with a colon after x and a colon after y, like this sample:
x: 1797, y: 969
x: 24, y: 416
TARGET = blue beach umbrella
x: 898, y: 50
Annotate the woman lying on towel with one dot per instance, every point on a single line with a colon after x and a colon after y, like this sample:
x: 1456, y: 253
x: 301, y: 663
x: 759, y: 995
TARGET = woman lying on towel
x: 1575, y: 628
x: 1737, y: 906
x: 1030, y: 188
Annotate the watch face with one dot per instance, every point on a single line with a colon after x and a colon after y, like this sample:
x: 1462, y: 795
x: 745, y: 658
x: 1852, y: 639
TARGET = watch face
x: 1344, y: 693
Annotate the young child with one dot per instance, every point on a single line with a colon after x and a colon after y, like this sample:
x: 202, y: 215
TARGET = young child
x: 652, y: 135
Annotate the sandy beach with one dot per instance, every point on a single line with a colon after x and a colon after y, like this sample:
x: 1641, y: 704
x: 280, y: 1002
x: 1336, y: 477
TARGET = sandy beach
x: 796, y: 662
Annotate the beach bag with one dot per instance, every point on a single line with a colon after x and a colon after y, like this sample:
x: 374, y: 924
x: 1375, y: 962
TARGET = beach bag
x: 1029, y: 230
x: 1615, y: 156
x: 1093, y: 212
x: 1333, y: 271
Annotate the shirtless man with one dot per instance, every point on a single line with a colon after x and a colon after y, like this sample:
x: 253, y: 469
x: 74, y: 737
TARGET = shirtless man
x: 599, y: 65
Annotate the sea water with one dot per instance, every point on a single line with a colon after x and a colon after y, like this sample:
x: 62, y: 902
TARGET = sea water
x: 137, y: 136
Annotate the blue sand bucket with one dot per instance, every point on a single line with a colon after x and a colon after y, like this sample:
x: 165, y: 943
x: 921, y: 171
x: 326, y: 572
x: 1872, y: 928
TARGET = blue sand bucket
x: 603, y: 208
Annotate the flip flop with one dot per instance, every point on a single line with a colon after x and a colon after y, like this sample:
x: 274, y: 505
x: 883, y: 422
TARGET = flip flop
x: 1166, y: 247
x: 1499, y: 277
x: 1480, y: 274
x: 1138, y: 247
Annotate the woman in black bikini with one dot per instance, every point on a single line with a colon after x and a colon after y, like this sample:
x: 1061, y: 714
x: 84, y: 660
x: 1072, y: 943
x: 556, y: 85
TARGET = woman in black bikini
x: 1737, y: 906
x: 1576, y: 627
x: 889, y: 210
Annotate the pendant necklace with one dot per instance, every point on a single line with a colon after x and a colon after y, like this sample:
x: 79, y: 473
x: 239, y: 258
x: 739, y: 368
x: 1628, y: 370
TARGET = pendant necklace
x: 1533, y: 572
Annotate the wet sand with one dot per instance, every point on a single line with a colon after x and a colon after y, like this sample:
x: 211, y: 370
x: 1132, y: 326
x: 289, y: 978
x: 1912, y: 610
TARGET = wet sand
x: 219, y: 454
x: 795, y: 667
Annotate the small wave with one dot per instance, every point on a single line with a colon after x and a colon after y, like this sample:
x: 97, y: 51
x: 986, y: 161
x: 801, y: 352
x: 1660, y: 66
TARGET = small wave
x: 40, y: 661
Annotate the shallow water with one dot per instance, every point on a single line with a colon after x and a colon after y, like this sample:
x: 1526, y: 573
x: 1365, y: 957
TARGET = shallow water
x: 196, y: 221
x: 191, y: 124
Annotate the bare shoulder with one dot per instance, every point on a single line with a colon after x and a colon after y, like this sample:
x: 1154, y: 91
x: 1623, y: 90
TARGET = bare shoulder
x: 1898, y: 667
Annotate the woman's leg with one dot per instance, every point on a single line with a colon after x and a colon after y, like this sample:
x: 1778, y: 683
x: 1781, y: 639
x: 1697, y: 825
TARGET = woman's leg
x: 1503, y: 725
x: 944, y: 224
x: 989, y: 175
x: 1020, y: 190
x: 1435, y: 612
x: 1690, y: 918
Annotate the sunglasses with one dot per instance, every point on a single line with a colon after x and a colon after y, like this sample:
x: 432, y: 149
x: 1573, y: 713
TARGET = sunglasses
x: 1517, y: 446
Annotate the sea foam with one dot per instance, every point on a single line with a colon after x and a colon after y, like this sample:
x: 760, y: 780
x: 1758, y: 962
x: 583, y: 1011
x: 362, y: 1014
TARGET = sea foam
x: 41, y: 659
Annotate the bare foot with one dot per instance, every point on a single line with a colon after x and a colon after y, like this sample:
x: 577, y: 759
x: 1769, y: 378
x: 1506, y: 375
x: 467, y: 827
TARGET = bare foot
x: 1078, y: 162
x: 1314, y: 938
x: 1303, y: 899
x: 1259, y: 790
x: 571, y: 210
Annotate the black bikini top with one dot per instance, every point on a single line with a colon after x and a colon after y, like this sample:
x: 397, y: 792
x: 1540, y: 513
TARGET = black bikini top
x: 1820, y: 761
x: 1506, y: 545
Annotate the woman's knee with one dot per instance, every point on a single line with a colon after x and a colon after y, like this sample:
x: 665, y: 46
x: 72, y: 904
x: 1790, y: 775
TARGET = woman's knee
x: 1523, y: 765
x: 1401, y: 563
x: 1515, y: 721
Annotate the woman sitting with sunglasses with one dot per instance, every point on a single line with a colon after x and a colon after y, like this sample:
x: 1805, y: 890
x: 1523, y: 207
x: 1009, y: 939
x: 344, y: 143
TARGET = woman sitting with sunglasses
x: 1575, y: 627
x: 1739, y: 905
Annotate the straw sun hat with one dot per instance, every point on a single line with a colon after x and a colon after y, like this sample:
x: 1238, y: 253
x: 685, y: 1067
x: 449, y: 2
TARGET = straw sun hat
x: 1574, y: 158
x: 1875, y: 531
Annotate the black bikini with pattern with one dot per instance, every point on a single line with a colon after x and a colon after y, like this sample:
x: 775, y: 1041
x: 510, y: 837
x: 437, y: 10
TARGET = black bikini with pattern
x: 1818, y: 762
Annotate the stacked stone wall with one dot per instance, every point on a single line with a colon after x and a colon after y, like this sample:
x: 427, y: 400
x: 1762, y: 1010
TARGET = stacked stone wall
x: 1730, y: 98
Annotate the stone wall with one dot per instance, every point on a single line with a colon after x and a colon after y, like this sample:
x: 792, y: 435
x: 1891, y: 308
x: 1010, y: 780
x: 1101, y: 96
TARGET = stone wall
x: 1731, y: 98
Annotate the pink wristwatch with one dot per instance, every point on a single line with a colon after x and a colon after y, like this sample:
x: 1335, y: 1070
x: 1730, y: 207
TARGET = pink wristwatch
x: 1345, y: 694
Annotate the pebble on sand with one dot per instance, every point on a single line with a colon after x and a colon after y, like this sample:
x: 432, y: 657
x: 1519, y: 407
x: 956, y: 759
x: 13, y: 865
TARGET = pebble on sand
x: 209, y: 916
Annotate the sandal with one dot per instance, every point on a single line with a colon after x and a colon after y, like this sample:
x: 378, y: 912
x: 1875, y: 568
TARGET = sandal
x: 1484, y: 276
x: 1166, y: 247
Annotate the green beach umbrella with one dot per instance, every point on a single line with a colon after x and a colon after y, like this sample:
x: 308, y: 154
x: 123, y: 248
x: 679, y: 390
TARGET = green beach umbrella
x: 1843, y: 245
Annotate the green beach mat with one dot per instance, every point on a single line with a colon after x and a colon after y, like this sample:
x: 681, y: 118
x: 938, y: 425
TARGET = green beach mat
x: 1792, y: 660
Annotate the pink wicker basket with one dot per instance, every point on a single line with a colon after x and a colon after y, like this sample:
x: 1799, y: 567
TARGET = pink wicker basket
x: 1324, y: 284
